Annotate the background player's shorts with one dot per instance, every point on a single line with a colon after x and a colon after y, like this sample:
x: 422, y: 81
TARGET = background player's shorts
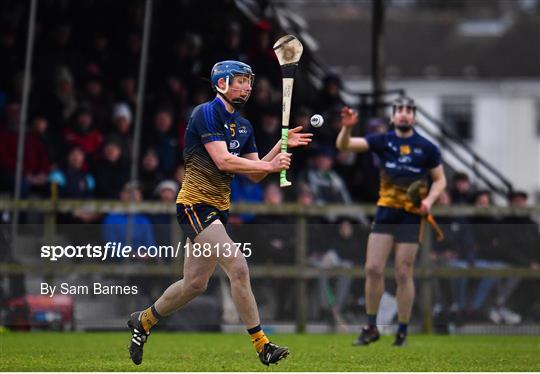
x: 195, y: 218
x: 404, y: 226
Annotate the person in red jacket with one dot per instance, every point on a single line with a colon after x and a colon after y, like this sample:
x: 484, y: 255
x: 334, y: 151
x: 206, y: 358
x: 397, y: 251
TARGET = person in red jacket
x: 82, y: 132
x: 36, y: 159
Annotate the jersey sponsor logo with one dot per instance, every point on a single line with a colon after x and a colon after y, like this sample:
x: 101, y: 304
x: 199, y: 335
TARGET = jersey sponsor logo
x: 405, y: 159
x: 209, y: 217
x: 242, y: 130
x: 234, y: 144
x: 391, y: 146
x: 404, y: 149
x: 418, y: 151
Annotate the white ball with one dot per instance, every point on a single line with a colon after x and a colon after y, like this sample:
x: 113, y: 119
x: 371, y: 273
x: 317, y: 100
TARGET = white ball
x: 316, y: 120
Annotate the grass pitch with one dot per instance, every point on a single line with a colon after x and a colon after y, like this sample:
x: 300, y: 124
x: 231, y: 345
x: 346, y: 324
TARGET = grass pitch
x: 48, y: 351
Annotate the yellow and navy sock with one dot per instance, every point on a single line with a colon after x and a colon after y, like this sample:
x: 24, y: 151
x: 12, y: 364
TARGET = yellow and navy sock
x: 402, y: 328
x: 258, y: 338
x: 372, y: 320
x: 149, y: 317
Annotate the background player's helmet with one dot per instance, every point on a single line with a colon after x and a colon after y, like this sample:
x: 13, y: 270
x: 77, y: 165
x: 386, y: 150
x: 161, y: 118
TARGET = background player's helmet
x: 404, y: 101
x: 227, y: 70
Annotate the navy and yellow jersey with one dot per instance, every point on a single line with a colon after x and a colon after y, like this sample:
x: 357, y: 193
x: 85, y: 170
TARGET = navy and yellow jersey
x: 403, y: 161
x: 203, y: 181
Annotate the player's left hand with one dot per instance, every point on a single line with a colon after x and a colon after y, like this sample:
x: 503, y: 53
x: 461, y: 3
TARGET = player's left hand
x: 297, y: 138
x: 425, y: 206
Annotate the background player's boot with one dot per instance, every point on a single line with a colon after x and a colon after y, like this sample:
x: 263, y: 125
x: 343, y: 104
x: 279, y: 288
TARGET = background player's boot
x: 272, y: 353
x: 400, y: 341
x: 138, y: 338
x: 368, y: 335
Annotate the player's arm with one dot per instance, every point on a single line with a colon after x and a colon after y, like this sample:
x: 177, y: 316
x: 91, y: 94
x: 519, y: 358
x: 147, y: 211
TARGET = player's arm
x: 344, y: 141
x: 437, y: 187
x: 228, y: 162
x: 257, y: 177
x: 296, y: 139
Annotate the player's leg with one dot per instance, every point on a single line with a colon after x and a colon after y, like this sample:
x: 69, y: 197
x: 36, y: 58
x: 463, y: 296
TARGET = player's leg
x: 404, y: 269
x: 235, y: 266
x: 197, y: 272
x: 378, y: 249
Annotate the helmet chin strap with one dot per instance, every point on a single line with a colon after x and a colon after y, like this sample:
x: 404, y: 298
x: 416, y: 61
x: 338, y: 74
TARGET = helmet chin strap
x: 236, y: 103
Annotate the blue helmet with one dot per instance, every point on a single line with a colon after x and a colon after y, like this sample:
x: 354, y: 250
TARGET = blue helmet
x: 228, y: 69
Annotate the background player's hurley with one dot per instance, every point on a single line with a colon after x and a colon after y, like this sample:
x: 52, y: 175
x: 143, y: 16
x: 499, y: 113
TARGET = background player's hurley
x: 288, y: 50
x: 416, y: 192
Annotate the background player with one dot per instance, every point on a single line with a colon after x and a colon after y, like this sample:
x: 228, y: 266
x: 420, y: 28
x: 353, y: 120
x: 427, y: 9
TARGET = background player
x: 218, y: 143
x: 406, y: 157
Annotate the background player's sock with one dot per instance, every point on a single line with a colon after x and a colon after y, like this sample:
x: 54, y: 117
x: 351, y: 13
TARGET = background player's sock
x: 372, y: 320
x: 402, y: 328
x: 149, y: 317
x: 258, y: 338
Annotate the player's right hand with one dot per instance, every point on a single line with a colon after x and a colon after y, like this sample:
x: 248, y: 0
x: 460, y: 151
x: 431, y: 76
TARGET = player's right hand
x: 281, y: 162
x: 349, y: 117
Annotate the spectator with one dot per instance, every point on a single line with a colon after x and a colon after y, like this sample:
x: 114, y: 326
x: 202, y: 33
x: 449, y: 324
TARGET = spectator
x: 165, y: 141
x: 269, y: 130
x: 326, y: 184
x: 274, y: 242
x: 127, y: 91
x: 461, y: 189
x: 73, y: 180
x: 82, y: 132
x: 521, y: 240
x: 261, y: 54
x: 99, y: 52
x: 230, y: 47
x: 166, y: 192
x: 121, y: 127
x: 111, y: 172
x: 95, y: 96
x: 332, y: 298
x: 245, y: 191
x: 51, y: 141
x: 456, y: 250
x: 115, y: 225
x: 329, y: 102
x: 263, y: 99
x: 60, y: 105
x: 36, y: 160
x: 150, y: 175
x: 487, y: 238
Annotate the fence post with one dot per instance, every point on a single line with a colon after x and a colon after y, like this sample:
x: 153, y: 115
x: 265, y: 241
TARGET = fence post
x: 427, y: 280
x: 301, y: 289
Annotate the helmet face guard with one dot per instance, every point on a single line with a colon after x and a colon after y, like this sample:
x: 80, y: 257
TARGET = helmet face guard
x: 228, y: 70
x: 404, y: 102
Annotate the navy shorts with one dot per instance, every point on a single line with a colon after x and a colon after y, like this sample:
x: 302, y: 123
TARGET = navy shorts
x: 402, y: 225
x: 195, y: 218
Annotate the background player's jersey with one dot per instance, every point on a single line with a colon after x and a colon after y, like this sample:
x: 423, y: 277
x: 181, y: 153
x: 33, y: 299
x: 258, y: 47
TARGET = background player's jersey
x: 203, y: 181
x: 403, y: 161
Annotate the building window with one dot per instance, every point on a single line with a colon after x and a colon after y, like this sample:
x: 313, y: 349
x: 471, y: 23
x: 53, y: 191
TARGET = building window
x: 457, y: 112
